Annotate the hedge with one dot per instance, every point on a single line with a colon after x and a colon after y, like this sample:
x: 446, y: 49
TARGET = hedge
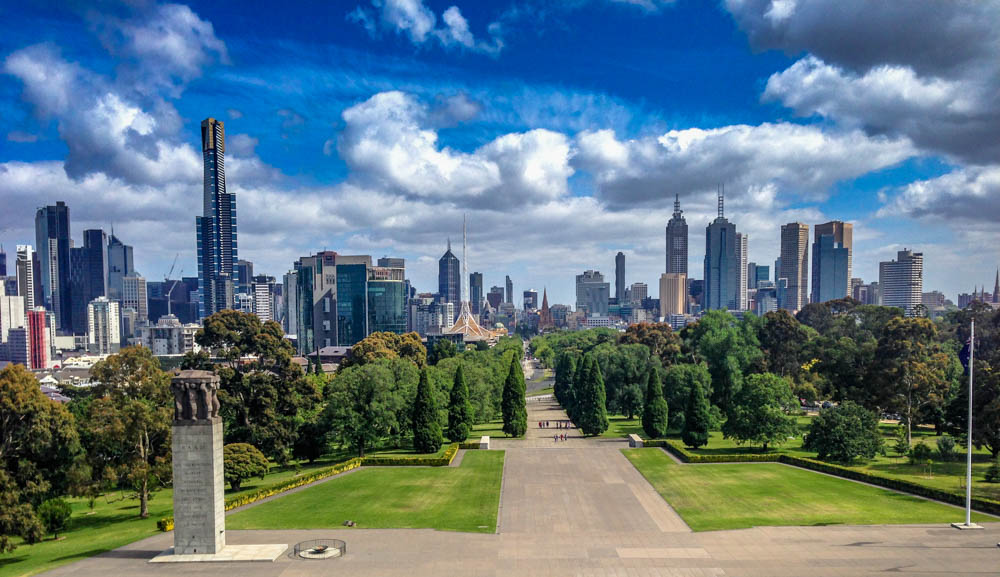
x: 469, y: 445
x: 677, y: 448
x: 396, y: 461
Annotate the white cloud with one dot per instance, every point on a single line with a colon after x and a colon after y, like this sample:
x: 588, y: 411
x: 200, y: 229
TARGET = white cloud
x: 966, y: 194
x: 49, y: 81
x: 419, y: 23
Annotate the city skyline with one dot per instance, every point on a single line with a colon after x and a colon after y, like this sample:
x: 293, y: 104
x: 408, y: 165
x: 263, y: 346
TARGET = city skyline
x: 305, y: 186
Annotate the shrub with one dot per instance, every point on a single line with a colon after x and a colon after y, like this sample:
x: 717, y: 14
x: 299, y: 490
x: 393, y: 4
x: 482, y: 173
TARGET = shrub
x: 993, y: 472
x: 422, y: 461
x: 844, y: 433
x: 946, y: 448
x: 165, y: 524
x: 55, y: 514
x: 920, y: 454
x: 243, y: 461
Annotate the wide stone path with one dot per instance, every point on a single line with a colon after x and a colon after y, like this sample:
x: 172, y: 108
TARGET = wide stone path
x: 578, y: 508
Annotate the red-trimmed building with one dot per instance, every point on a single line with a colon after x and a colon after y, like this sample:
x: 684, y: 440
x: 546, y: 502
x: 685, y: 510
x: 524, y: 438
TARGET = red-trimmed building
x: 38, y: 339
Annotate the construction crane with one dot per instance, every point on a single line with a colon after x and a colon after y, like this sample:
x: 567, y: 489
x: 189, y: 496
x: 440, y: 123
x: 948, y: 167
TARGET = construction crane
x: 166, y: 279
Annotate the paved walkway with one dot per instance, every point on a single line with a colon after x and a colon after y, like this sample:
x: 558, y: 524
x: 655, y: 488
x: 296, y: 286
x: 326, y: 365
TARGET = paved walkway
x: 578, y: 508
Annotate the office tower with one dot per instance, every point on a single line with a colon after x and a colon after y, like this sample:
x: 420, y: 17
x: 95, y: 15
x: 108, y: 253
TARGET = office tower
x: 264, y: 290
x: 290, y: 304
x: 638, y: 292
x: 88, y: 276
x: 216, y: 228
x: 119, y: 265
x: 763, y: 273
x: 530, y: 300
x: 352, y: 301
x: 29, y: 281
x: 722, y: 261
x: 677, y: 240
x: 11, y: 312
x: 391, y: 262
x: 509, y: 296
x: 476, y: 292
x: 39, y: 338
x: 843, y: 237
x: 620, y: 278
x: 53, y: 243
x: 495, y: 297
x: 766, y: 299
x: 332, y: 300
x: 134, y: 296
x: 450, y: 278
x: 752, y: 275
x: 103, y: 326
x: 830, y: 269
x: 244, y: 272
x: 742, y: 251
x: 592, y: 293
x: 795, y: 265
x: 901, y: 281
x: 387, y: 297
x: 3, y: 261
x: 673, y: 294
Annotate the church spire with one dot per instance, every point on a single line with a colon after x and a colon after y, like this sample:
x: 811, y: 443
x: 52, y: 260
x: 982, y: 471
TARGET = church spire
x: 996, y: 288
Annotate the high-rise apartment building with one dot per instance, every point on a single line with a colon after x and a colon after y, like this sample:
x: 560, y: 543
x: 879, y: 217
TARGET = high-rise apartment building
x: 264, y: 293
x: 677, y: 240
x: 509, y: 295
x: 795, y: 265
x: 901, y: 281
x: 476, y: 292
x: 103, y: 326
x: 638, y: 292
x: 673, y: 294
x: 217, y: 244
x: 119, y: 265
x: 450, y: 278
x: 53, y: 243
x: 29, y: 281
x: 592, y: 293
x: 722, y: 261
x: 830, y: 269
x: 843, y: 238
x: 742, y: 251
x: 3, y: 261
x: 39, y: 338
x: 619, y: 278
x: 134, y: 296
x: 495, y: 297
x: 290, y: 304
x: 11, y: 313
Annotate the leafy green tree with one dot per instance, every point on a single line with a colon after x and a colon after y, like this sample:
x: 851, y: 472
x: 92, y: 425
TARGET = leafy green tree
x: 759, y: 412
x: 631, y: 401
x: 442, y: 349
x: 459, y: 409
x: 426, y: 428
x: 782, y: 339
x: 262, y: 391
x: 318, y: 367
x: 311, y: 440
x: 363, y: 406
x: 129, y: 423
x: 655, y: 413
x: 658, y: 337
x: 55, y: 514
x: 515, y: 413
x: 242, y: 461
x: 565, y: 374
x: 920, y: 454
x: 844, y: 433
x: 696, y: 417
x: 985, y: 407
x: 592, y: 410
x: 729, y: 348
x: 677, y: 382
x: 993, y: 472
x: 17, y: 516
x: 200, y: 361
x: 946, y: 448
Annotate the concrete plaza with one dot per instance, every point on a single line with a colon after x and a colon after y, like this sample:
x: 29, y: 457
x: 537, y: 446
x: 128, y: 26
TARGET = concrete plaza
x: 579, y: 508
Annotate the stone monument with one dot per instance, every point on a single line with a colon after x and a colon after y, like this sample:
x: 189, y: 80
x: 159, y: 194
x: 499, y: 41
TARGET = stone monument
x: 199, y: 484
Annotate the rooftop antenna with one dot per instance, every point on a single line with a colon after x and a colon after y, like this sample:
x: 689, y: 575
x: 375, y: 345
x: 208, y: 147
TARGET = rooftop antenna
x: 465, y: 262
x: 722, y: 195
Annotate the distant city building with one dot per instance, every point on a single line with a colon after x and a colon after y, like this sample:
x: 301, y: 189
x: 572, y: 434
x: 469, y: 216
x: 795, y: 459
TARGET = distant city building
x: 244, y: 272
x: 495, y: 297
x: 88, y: 277
x: 935, y: 301
x: 795, y: 265
x: 763, y: 273
x: 866, y: 294
x: 39, y: 335
x: 11, y: 313
x: 103, y: 326
x: 134, y: 296
x: 545, y: 320
x: 265, y: 292
x: 677, y: 240
x: 450, y: 278
x: 722, y: 264
x: 673, y: 294
x: 619, y: 277
x: 696, y: 291
x: 429, y: 315
x: 476, y: 293
x: 3, y: 261
x: 830, y: 268
x: 843, y: 236
x: 216, y: 228
x: 766, y: 298
x: 530, y: 299
x: 637, y: 292
x: 592, y: 293
x: 901, y: 281
x: 509, y: 296
x: 120, y: 265
x: 168, y: 336
x: 290, y: 304
x: 387, y: 298
x: 53, y: 243
x: 742, y: 250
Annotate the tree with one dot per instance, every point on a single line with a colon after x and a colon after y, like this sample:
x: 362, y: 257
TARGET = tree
x: 129, y: 423
x: 243, y: 461
x: 758, y: 414
x: 361, y: 406
x: 591, y: 402
x: 17, y: 516
x: 630, y: 401
x: 696, y: 417
x: 654, y: 413
x: 442, y: 349
x: 262, y: 391
x: 730, y: 350
x: 658, y: 337
x: 459, y: 409
x: 311, y: 441
x: 844, y: 433
x: 677, y: 382
x: 563, y: 386
x: 515, y: 413
x: 985, y: 408
x: 781, y: 339
x: 426, y: 429
x: 55, y: 514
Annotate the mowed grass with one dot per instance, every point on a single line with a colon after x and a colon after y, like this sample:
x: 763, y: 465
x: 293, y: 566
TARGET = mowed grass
x: 621, y: 426
x: 741, y: 495
x: 463, y: 498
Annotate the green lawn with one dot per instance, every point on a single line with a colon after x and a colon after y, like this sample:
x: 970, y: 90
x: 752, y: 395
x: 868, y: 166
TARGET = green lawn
x: 740, y: 495
x: 493, y: 429
x: 620, y: 426
x: 112, y: 525
x: 545, y: 391
x: 463, y: 498
x: 411, y: 452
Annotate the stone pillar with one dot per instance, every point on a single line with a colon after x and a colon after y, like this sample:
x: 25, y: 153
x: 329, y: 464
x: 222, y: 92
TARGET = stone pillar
x: 199, y: 507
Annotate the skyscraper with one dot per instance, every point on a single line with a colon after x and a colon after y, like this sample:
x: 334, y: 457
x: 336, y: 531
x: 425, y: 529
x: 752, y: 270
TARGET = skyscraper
x: 290, y: 304
x: 88, y: 275
x: 509, y: 296
x: 843, y: 238
x: 217, y: 246
x: 673, y: 294
x: 29, y: 282
x: 620, y: 278
x: 830, y: 266
x: 119, y: 265
x: 495, y: 297
x: 450, y: 278
x: 53, y: 243
x: 387, y: 297
x: 103, y: 326
x: 3, y: 261
x: 530, y: 301
x: 901, y: 281
x: 11, y: 313
x: 795, y: 265
x: 476, y: 292
x: 592, y: 293
x: 677, y: 240
x: 244, y: 272
x: 134, y: 296
x: 742, y: 250
x: 722, y: 259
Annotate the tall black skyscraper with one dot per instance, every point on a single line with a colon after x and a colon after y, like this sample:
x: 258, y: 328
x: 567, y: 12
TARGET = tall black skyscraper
x: 217, y: 246
x: 677, y: 240
x: 88, y: 276
x: 620, y: 277
x: 119, y: 266
x: 52, y: 243
x: 509, y: 297
x: 450, y: 279
x: 476, y: 292
x: 3, y: 262
x: 722, y: 264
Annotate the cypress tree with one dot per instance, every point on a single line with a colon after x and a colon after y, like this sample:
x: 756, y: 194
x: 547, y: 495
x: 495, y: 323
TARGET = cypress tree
x: 426, y: 429
x: 459, y: 409
x: 319, y: 367
x: 565, y: 373
x: 592, y: 399
x: 696, y: 418
x: 515, y: 414
x: 654, y: 412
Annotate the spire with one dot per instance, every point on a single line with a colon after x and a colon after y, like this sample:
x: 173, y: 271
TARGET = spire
x: 722, y: 196
x: 449, y: 244
x: 677, y: 206
x: 996, y: 288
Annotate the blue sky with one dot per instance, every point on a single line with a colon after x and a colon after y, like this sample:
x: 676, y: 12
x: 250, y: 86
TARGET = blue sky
x: 563, y: 129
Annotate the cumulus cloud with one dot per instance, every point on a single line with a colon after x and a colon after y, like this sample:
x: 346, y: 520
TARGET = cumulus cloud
x: 411, y: 18
x: 967, y: 194
x: 801, y: 161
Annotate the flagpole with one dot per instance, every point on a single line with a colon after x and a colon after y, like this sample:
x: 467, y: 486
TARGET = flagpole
x: 968, y: 449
